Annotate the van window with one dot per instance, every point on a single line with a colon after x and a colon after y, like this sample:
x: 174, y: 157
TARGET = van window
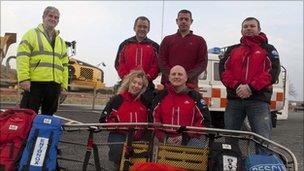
x: 216, y: 74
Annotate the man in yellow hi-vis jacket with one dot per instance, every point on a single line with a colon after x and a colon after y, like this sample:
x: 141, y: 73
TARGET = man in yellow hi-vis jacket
x: 42, y: 65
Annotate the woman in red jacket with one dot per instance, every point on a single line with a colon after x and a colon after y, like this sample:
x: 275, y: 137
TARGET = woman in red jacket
x: 126, y: 106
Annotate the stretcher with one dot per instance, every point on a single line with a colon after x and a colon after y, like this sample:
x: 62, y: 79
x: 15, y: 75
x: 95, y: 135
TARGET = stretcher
x: 150, y: 149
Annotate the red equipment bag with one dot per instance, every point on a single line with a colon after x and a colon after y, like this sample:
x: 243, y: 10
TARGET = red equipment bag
x: 148, y: 166
x: 15, y: 125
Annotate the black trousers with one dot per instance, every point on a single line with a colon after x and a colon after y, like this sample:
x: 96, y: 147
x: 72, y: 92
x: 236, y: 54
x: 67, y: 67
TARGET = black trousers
x: 42, y: 94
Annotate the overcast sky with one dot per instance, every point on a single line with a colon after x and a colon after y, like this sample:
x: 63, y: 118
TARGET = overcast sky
x: 100, y: 26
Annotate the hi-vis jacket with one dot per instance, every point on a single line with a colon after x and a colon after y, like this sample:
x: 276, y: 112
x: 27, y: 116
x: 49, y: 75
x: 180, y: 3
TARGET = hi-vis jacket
x: 38, y: 61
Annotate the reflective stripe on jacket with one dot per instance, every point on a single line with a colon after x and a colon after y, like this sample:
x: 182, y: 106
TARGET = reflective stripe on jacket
x: 130, y: 110
x: 176, y: 109
x: 137, y: 55
x: 37, y: 60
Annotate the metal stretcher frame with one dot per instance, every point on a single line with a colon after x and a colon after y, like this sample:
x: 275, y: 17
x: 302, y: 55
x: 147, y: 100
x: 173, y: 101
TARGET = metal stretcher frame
x: 289, y: 158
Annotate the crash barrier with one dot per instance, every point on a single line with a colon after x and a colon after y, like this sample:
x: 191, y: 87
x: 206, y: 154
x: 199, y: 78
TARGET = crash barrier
x: 92, y: 97
x: 85, y: 146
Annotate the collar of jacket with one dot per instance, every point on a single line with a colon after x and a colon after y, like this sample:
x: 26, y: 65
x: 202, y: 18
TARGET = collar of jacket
x: 172, y: 90
x: 178, y: 33
x: 254, y: 40
x: 128, y: 96
x: 134, y: 40
x: 41, y: 28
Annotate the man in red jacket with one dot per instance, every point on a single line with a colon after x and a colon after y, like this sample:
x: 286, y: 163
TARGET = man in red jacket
x: 178, y: 104
x: 248, y: 71
x: 139, y: 53
x: 183, y: 48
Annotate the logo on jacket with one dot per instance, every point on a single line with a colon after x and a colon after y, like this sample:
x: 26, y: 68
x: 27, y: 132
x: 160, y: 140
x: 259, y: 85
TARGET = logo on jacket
x: 187, y: 102
x: 203, y: 102
x: 13, y: 127
x: 257, y: 52
x: 275, y: 54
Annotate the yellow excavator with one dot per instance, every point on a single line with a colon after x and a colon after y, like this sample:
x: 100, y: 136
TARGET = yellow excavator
x: 83, y: 76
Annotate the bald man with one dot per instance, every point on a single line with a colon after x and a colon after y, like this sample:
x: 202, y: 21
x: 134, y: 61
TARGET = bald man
x: 178, y: 78
x: 178, y: 104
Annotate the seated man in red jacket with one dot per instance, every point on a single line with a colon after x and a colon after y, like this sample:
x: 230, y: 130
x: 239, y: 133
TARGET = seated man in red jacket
x: 179, y: 105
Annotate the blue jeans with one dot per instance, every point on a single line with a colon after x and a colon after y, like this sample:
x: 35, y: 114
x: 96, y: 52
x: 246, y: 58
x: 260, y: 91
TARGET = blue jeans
x: 115, y: 150
x: 258, y: 113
